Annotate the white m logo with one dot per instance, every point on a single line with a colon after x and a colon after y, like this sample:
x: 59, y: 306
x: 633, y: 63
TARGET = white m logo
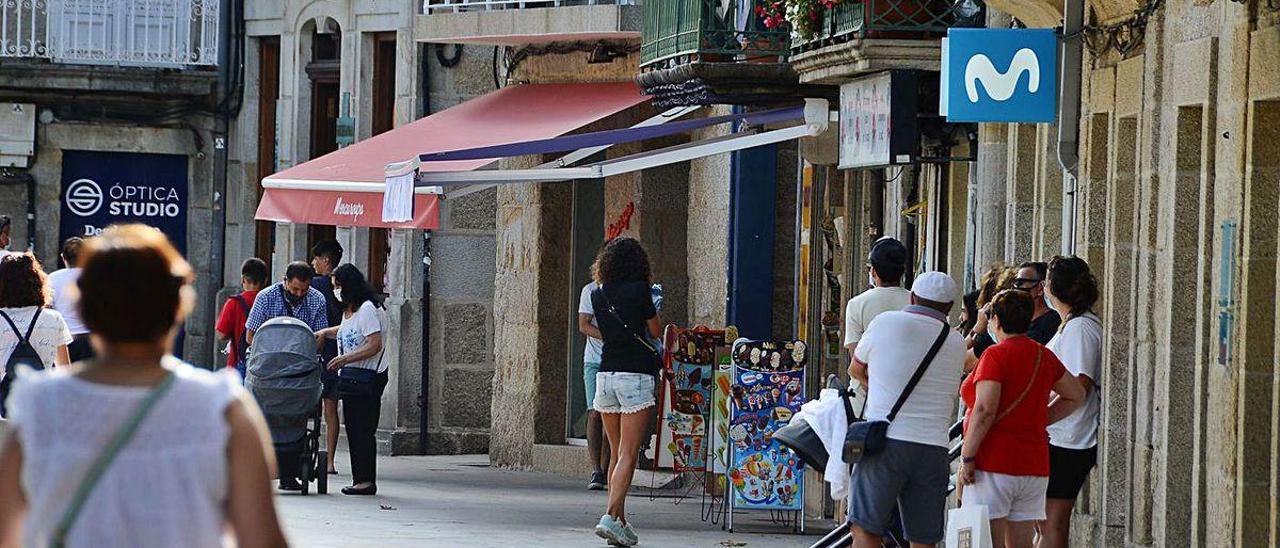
x: 1001, y: 85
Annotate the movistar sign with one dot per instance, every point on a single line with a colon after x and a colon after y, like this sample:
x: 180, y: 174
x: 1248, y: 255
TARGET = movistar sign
x: 1000, y: 75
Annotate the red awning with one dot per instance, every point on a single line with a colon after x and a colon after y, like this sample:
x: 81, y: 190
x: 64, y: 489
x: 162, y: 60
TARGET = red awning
x: 344, y: 187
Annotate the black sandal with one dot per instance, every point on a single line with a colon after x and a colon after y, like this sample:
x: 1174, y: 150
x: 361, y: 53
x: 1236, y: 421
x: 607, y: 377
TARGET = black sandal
x: 372, y: 489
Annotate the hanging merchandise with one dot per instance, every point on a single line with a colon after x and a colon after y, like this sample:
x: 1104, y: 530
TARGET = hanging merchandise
x: 767, y: 389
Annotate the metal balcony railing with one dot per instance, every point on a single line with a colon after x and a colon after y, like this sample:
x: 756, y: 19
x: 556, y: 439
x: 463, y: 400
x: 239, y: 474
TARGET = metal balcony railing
x: 708, y: 30
x: 159, y: 33
x: 886, y: 18
x: 458, y: 6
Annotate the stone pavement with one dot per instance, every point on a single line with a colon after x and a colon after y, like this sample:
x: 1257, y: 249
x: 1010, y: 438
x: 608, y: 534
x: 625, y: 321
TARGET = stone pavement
x: 459, y: 501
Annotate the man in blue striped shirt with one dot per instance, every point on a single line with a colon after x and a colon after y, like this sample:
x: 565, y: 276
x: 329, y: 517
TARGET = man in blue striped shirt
x: 293, y: 296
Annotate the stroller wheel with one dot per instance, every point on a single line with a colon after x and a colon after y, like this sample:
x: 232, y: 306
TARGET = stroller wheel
x: 322, y: 472
x: 306, y: 470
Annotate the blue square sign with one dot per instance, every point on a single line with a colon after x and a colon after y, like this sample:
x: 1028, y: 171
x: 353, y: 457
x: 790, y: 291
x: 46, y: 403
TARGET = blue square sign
x: 1000, y: 75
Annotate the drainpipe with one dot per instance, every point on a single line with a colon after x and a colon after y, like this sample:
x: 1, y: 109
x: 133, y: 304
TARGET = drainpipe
x: 1069, y: 116
x: 425, y: 388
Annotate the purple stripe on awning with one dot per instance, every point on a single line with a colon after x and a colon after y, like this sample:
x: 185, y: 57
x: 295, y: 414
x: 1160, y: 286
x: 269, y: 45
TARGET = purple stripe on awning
x: 611, y: 137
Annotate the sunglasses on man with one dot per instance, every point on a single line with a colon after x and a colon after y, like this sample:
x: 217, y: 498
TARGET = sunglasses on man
x: 1026, y: 284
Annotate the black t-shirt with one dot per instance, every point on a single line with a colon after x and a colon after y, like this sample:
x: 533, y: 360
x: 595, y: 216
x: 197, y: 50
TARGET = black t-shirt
x: 622, y: 352
x: 1042, y: 331
x: 324, y: 285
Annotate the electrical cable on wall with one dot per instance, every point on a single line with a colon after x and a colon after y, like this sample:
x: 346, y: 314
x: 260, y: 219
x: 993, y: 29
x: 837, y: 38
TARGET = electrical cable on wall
x: 448, y: 61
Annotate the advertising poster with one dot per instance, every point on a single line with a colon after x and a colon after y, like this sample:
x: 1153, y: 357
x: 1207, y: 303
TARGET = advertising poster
x: 687, y: 409
x: 768, y: 388
x: 100, y: 189
x: 719, y: 448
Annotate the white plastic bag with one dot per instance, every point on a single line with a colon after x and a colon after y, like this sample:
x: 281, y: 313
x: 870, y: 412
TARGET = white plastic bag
x: 969, y: 527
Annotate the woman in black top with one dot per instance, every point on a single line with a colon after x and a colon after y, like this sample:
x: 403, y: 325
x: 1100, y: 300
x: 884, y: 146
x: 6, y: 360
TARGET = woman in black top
x: 629, y: 363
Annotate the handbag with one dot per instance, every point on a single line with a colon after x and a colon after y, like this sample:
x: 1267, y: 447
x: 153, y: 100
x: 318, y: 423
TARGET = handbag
x: 105, y: 458
x: 869, y: 437
x: 357, y: 382
x: 657, y: 356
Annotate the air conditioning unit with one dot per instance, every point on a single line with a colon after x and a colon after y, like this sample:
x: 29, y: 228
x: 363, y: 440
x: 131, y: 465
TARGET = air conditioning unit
x: 17, y: 134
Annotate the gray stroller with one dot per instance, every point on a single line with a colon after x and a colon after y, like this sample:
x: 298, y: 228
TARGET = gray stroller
x: 283, y: 374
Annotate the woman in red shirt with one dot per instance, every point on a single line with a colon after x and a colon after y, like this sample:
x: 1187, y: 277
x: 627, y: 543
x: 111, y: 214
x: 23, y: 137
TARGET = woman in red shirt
x: 1005, y: 456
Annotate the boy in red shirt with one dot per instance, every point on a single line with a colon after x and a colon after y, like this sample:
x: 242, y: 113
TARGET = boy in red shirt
x: 253, y: 276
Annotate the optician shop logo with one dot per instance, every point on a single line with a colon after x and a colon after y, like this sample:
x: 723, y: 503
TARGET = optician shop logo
x: 84, y: 197
x: 1001, y: 86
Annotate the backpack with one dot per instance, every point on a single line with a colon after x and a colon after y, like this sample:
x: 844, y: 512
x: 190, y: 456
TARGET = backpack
x: 240, y: 345
x: 23, y: 354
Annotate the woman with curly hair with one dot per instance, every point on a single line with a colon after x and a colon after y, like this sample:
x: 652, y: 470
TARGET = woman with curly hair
x: 24, y: 293
x: 629, y: 363
x: 1072, y: 290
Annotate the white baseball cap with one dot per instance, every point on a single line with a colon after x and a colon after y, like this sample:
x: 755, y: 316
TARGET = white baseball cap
x: 935, y: 286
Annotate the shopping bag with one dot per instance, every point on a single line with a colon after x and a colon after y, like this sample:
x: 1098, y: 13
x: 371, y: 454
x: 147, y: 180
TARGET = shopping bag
x: 968, y: 527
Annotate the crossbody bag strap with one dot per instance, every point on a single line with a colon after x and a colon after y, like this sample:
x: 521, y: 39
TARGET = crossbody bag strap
x: 609, y: 304
x: 1035, y: 371
x: 31, y: 328
x: 106, y: 457
x: 915, y: 378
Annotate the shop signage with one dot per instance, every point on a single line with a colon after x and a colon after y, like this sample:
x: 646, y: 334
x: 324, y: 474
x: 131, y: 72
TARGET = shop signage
x: 878, y: 120
x: 100, y: 189
x: 999, y: 75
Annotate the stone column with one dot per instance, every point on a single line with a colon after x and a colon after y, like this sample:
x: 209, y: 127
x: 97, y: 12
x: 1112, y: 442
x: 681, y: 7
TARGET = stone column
x: 1020, y: 193
x: 992, y: 175
x: 404, y: 344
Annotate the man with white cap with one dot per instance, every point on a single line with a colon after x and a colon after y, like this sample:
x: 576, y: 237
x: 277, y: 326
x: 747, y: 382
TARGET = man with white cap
x: 912, y: 471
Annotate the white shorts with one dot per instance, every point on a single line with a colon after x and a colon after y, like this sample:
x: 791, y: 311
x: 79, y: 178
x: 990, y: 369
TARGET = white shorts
x: 1016, y: 498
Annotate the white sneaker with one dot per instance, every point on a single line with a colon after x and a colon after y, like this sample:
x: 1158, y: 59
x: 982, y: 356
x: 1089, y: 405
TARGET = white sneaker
x: 630, y: 532
x: 612, y: 531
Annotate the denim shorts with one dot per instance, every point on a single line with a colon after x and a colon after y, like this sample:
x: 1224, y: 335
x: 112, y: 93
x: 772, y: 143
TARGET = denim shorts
x: 618, y: 392
x: 589, y: 372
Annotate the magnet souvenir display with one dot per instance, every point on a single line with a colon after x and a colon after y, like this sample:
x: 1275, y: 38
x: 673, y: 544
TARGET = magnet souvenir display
x: 767, y: 389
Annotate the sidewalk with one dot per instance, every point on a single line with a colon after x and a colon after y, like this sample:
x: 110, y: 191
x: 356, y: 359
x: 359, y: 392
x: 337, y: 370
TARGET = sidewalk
x: 459, y: 501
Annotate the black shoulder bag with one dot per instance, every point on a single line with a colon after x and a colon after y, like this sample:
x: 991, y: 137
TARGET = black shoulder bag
x: 657, y: 356
x: 869, y: 437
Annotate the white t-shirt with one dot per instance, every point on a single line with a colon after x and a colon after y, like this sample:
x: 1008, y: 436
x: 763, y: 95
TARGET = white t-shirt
x: 50, y: 333
x: 591, y: 352
x: 893, y: 346
x: 65, y: 300
x: 1079, y: 347
x: 366, y: 321
x: 867, y: 305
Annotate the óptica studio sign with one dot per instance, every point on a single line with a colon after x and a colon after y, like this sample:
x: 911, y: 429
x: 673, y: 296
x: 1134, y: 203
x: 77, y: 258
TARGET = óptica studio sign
x: 100, y: 189
x: 999, y: 75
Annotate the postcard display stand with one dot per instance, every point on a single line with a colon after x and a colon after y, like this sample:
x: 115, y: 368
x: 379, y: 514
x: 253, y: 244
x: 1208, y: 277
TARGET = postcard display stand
x: 693, y: 426
x: 767, y: 389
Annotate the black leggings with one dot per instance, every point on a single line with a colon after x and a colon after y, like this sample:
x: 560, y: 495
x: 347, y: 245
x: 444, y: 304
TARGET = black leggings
x: 361, y: 417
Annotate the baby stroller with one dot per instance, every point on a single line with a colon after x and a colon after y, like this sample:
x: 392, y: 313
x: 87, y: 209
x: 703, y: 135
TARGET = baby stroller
x: 284, y: 376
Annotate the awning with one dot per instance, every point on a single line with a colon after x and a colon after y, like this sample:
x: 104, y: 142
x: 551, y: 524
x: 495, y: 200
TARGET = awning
x: 344, y: 187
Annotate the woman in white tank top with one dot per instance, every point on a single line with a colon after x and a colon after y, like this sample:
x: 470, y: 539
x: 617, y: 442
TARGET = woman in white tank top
x: 195, y: 473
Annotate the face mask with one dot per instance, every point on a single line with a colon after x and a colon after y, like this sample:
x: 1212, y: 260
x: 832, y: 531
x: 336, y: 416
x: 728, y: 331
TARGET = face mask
x: 991, y: 332
x: 293, y: 299
x: 1047, y: 301
x: 871, y: 280
x: 337, y: 293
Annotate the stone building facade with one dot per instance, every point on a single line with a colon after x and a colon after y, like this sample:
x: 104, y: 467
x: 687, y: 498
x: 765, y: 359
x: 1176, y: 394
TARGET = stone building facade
x: 1175, y: 211
x: 84, y: 112
x: 313, y: 69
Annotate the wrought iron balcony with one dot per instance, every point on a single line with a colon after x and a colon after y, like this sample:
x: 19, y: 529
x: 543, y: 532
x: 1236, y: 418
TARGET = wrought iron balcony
x: 456, y: 6
x: 683, y: 31
x: 519, y: 22
x: 142, y: 33
x: 890, y: 19
x: 713, y: 51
